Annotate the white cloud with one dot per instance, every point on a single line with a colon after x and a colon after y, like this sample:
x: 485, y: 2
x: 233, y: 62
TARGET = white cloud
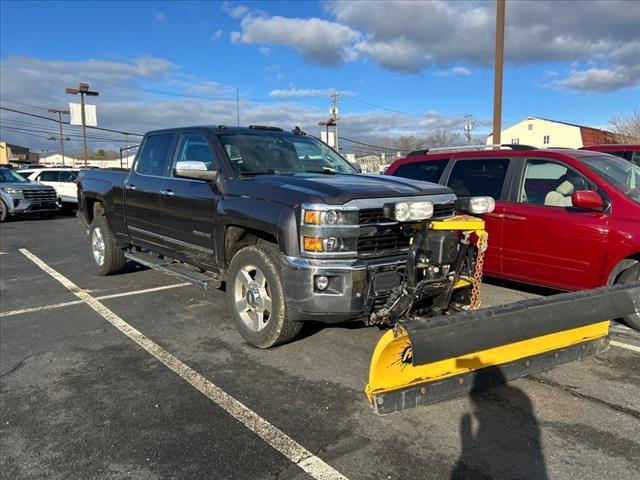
x: 453, y: 72
x: 159, y: 17
x: 123, y: 106
x: 264, y: 50
x: 300, y: 92
x: 600, y: 80
x: 319, y: 41
x: 215, y: 36
x: 234, y: 10
x: 411, y: 36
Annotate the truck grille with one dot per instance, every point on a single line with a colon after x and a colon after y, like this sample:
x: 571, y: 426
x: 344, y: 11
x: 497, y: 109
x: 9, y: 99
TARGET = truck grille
x: 389, y: 238
x: 41, y: 195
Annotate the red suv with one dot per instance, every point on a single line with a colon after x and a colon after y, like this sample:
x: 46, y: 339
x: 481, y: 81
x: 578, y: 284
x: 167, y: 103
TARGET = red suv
x: 567, y: 219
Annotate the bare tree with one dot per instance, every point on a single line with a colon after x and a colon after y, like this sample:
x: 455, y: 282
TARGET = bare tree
x: 443, y: 138
x: 627, y: 127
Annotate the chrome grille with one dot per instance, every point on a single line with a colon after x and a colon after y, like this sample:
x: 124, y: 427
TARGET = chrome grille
x: 40, y: 195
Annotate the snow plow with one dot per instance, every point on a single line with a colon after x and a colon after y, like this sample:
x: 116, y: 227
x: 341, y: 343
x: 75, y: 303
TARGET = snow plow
x: 440, y: 345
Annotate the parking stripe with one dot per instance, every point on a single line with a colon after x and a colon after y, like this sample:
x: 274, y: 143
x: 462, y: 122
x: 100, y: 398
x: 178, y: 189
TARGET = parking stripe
x: 633, y: 348
x: 272, y: 435
x: 77, y: 302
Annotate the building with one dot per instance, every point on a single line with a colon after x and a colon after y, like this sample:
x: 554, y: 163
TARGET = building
x: 16, y: 155
x: 545, y: 133
x: 55, y: 160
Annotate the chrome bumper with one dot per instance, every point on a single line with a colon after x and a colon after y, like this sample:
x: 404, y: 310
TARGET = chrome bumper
x: 355, y: 286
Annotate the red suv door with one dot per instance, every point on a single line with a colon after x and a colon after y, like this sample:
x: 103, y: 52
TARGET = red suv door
x: 545, y: 240
x: 484, y: 177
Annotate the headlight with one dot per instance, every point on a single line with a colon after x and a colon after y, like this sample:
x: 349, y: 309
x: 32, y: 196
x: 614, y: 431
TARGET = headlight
x: 330, y: 217
x: 475, y: 205
x: 410, y: 211
x: 16, y: 192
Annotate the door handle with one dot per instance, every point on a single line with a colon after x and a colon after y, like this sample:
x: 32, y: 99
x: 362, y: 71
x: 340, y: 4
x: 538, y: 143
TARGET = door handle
x: 167, y: 193
x: 131, y: 187
x: 514, y: 217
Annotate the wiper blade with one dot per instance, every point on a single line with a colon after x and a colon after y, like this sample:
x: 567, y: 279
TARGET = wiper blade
x: 260, y: 172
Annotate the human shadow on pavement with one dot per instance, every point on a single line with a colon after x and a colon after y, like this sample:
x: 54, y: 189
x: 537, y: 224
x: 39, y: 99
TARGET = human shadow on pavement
x: 505, y: 442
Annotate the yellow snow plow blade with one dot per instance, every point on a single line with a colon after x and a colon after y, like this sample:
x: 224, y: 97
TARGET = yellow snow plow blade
x: 427, y: 361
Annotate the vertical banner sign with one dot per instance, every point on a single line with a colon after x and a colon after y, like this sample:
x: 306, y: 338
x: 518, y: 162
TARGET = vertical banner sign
x: 90, y: 114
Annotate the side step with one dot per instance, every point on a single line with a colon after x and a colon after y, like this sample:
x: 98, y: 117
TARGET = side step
x: 174, y: 268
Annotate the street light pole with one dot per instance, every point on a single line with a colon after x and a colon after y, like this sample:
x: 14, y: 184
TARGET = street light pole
x: 497, y: 82
x: 83, y: 90
x: 60, y: 112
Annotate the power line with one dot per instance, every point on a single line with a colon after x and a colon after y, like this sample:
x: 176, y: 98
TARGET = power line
x: 374, y: 146
x: 67, y: 123
x: 379, y: 107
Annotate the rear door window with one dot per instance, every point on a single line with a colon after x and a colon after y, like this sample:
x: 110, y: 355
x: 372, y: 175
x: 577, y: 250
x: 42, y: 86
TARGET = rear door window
x: 67, y: 177
x: 478, y: 177
x: 153, y: 158
x: 430, y: 171
x: 48, y: 176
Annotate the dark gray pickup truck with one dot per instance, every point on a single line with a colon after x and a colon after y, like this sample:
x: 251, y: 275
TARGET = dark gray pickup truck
x: 294, y: 231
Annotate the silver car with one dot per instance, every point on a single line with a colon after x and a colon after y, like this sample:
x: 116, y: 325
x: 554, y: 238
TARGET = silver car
x: 19, y: 196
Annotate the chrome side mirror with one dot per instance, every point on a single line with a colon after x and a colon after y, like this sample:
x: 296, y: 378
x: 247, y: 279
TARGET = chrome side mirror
x: 196, y: 170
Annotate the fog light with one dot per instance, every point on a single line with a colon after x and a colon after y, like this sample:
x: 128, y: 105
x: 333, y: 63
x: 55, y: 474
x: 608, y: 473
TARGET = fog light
x: 322, y: 282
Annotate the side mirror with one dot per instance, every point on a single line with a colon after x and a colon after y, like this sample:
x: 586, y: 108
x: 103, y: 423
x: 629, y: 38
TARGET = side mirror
x: 196, y: 170
x: 587, y: 200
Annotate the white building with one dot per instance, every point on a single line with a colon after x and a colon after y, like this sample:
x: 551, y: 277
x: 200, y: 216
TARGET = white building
x: 545, y: 133
x: 55, y: 160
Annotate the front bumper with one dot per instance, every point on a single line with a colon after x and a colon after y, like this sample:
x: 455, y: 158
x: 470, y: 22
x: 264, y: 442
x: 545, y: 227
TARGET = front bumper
x: 355, y: 286
x: 24, y: 207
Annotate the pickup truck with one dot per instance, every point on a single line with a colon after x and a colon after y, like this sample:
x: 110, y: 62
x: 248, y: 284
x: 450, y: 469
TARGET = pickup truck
x: 290, y: 226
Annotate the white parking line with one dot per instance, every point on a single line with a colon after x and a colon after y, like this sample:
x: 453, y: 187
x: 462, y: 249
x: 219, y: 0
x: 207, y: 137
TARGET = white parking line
x: 103, y: 297
x: 633, y: 348
x: 272, y: 435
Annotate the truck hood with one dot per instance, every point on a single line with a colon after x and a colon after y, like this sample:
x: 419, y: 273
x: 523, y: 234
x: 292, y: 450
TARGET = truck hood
x: 331, y: 189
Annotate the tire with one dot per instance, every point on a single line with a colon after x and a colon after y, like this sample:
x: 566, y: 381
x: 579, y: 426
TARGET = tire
x: 631, y: 275
x: 4, y: 211
x: 107, y: 256
x: 255, y: 297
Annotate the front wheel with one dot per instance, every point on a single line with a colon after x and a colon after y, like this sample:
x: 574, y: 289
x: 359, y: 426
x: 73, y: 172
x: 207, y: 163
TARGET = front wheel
x: 255, y: 297
x: 106, y: 255
x: 4, y: 211
x: 631, y: 275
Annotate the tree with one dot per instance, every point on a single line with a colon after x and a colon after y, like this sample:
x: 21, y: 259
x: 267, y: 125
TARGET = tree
x: 627, y: 127
x: 443, y: 138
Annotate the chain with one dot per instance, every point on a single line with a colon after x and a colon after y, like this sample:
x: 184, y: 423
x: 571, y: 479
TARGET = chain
x: 483, y: 238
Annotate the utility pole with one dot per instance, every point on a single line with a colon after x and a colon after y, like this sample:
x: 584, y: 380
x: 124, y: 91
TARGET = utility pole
x: 335, y: 99
x: 60, y: 113
x: 83, y: 90
x: 497, y: 81
x: 469, y: 124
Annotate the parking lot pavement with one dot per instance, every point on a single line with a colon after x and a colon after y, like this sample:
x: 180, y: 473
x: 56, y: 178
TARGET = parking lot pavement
x: 79, y: 399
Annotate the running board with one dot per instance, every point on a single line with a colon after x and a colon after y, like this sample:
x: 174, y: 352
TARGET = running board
x: 174, y: 268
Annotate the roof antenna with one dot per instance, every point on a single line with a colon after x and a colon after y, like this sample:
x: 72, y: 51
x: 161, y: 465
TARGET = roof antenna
x: 238, y: 106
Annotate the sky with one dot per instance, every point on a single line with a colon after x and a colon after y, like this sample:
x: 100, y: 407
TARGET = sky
x: 403, y: 68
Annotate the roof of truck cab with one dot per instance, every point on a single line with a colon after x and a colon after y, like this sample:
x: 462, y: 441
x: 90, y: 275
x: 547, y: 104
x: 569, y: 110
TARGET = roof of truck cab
x: 221, y: 130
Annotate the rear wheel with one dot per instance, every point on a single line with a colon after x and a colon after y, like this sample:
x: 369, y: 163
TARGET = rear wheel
x: 4, y: 211
x: 255, y: 297
x: 107, y: 256
x: 631, y: 275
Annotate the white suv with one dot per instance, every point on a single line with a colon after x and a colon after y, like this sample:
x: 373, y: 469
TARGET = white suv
x: 62, y: 179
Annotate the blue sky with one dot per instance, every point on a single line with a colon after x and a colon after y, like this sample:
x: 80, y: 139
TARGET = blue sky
x: 162, y: 63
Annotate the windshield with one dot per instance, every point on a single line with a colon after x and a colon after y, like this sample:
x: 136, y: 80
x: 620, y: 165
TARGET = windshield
x: 277, y: 153
x: 622, y: 174
x: 9, y: 176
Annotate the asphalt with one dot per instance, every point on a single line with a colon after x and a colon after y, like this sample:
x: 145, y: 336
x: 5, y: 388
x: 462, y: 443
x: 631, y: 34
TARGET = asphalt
x: 80, y: 400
